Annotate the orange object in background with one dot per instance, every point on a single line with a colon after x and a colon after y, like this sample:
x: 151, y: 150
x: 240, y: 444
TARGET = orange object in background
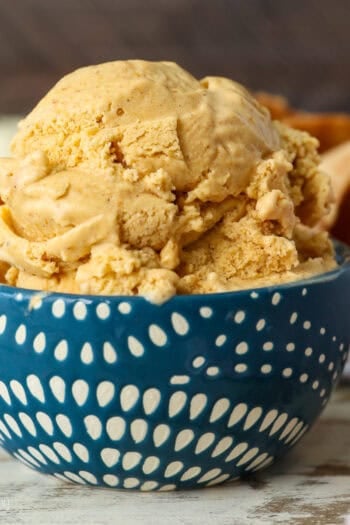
x: 331, y: 129
x: 333, y: 132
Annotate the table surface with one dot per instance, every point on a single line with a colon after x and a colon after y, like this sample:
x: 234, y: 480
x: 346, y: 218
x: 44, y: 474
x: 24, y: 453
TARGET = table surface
x: 309, y: 487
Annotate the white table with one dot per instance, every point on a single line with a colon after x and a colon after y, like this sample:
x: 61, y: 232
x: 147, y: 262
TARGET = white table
x: 310, y: 487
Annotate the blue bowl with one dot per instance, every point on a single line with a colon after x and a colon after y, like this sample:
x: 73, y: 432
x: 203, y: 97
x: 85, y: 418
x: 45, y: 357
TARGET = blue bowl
x: 118, y: 392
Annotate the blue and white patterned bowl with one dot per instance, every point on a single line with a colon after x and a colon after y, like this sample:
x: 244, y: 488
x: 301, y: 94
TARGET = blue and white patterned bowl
x: 119, y: 392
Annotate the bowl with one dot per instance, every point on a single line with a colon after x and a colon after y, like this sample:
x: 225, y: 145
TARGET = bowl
x: 119, y: 392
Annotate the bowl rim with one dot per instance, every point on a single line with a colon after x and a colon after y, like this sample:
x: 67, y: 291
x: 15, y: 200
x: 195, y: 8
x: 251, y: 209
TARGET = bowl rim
x: 342, y: 256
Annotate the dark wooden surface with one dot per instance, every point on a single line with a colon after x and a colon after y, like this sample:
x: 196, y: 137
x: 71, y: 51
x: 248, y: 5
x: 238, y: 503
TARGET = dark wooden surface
x: 300, y: 48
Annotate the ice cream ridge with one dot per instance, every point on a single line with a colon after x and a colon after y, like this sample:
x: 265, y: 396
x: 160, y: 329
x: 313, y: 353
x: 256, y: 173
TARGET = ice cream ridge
x: 134, y: 178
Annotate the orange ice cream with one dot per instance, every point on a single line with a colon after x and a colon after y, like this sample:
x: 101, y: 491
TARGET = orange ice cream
x: 133, y: 177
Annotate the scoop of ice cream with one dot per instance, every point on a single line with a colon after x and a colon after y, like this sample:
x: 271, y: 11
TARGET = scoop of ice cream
x: 133, y: 177
x: 145, y: 133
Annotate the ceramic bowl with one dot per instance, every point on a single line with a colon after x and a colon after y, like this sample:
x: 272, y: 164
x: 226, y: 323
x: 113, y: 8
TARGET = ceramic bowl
x: 119, y: 392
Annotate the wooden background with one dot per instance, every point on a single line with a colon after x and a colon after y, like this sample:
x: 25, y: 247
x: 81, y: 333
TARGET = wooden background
x: 300, y: 48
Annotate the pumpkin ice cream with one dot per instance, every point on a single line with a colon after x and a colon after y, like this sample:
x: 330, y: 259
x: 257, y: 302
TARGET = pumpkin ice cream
x: 133, y: 177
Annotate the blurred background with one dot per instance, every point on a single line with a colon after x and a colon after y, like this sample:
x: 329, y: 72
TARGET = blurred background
x: 297, y: 48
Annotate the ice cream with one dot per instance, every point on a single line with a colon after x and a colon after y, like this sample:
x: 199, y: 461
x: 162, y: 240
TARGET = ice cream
x: 336, y: 162
x: 133, y: 177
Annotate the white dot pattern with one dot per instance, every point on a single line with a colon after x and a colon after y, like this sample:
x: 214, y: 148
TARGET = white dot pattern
x: 241, y: 367
x: 167, y: 418
x: 219, y: 409
x: 28, y: 458
x: 149, y: 485
x: 180, y: 324
x: 180, y: 380
x: 103, y: 311
x: 88, y: 476
x: 260, y: 325
x: 266, y: 369
x: 37, y: 454
x: 157, y: 335
x: 4, y: 430
x: 58, y: 388
x: 293, y: 318
x: 150, y: 464
x: 61, y: 350
x: 93, y: 426
x: 197, y: 405
x: 124, y: 308
x: 45, y: 422
x: 190, y: 473
x: 276, y: 298
x: 237, y: 414
x: 39, y: 343
x: 64, y: 424
x: 205, y: 312
x: 21, y: 334
x: 12, y: 424
x: 35, y: 387
x: 63, y: 451
x: 49, y: 453
x: 253, y: 416
x: 131, y: 483
x: 86, y: 354
x: 213, y: 473
x: 27, y: 422
x: 173, y: 468
x: 212, y: 371
x: 150, y: 401
x: 80, y: 391
x: 198, y: 361
x: 176, y: 403
x: 58, y: 308
x: 138, y: 430
x: 161, y: 434
x: 115, y: 428
x: 183, y: 438
x: 81, y: 451
x: 3, y: 323
x: 105, y: 393
x: 220, y: 340
x: 18, y: 391
x: 129, y: 396
x: 111, y: 480
x: 242, y: 348
x: 109, y: 353
x: 239, y: 317
x: 204, y: 442
x: 79, y: 310
x: 110, y: 456
x: 136, y: 348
